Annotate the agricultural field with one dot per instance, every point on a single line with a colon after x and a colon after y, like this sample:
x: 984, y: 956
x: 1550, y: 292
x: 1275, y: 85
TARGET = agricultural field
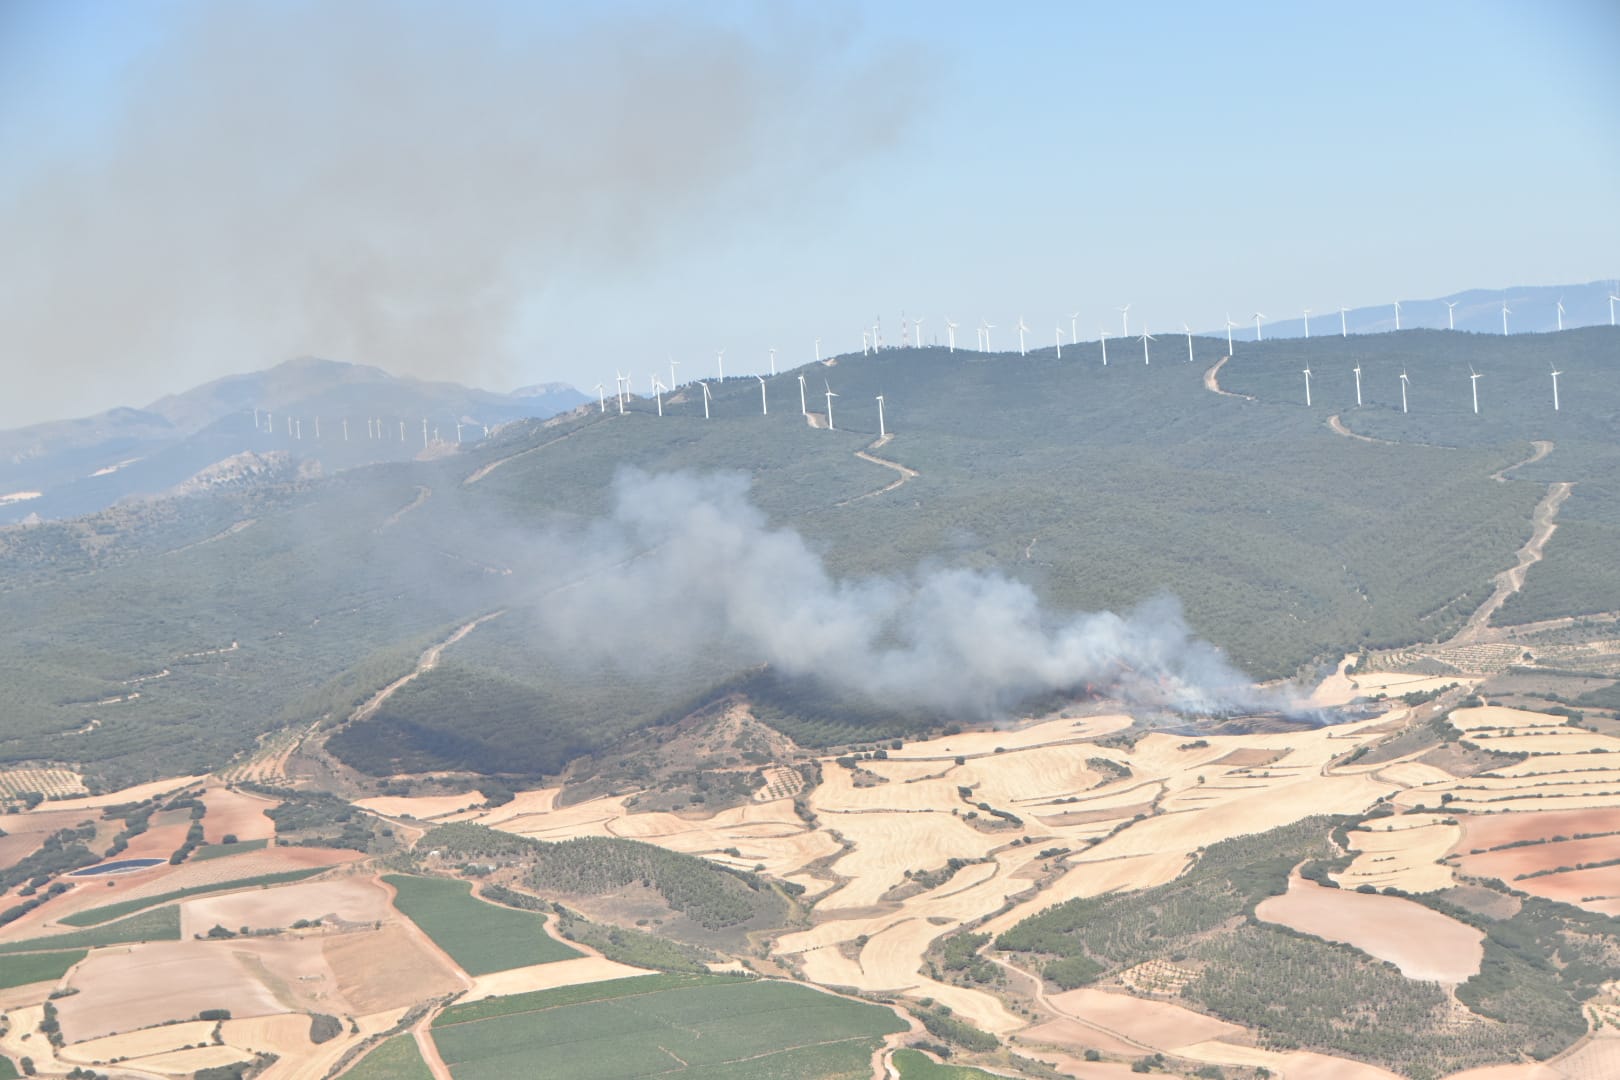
x: 709, y: 1026
x: 395, y: 1058
x: 480, y: 937
x: 38, y: 967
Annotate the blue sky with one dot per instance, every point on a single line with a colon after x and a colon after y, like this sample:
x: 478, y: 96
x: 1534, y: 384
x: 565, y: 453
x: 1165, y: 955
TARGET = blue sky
x: 962, y: 159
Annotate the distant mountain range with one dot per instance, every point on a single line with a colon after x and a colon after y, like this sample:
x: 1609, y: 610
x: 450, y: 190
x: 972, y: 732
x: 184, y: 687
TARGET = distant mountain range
x: 309, y: 414
x: 1533, y: 309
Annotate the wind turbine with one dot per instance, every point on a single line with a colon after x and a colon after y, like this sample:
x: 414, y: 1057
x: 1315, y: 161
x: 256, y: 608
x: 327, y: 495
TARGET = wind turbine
x: 1257, y: 318
x: 986, y: 325
x: 773, y: 361
x: 1505, y: 314
x: 804, y: 409
x: 1343, y: 330
x: 720, y: 362
x: 298, y: 427
x: 1307, y: 324
x: 601, y: 396
x: 1188, y: 330
x: 658, y: 393
x: 1074, y: 327
x: 1451, y: 315
x: 345, y: 429
x: 830, y: 396
x: 916, y: 324
x: 618, y: 389
x: 705, y: 399
x: 883, y: 432
x: 877, y: 334
x: 424, y: 431
x: 1357, y: 370
x: 764, y: 407
x: 1555, y: 374
x: 1103, y: 334
x: 1057, y: 336
x: 950, y: 330
x: 1146, y: 337
x: 1307, y: 386
x: 1473, y: 383
x: 1612, y: 300
x: 864, y: 341
x: 1397, y: 314
x: 1560, y: 313
x: 1229, y: 325
x: 1022, y: 330
x: 673, y: 364
x: 317, y: 427
x: 1403, y: 390
x: 1125, y: 320
x: 818, y: 350
x: 402, y: 431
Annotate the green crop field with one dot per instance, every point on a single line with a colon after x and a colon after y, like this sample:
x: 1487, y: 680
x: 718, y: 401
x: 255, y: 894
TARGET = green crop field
x: 8, y: 1071
x: 38, y: 967
x: 914, y: 1065
x: 674, y: 1025
x: 393, y: 1059
x: 219, y: 851
x: 159, y: 924
x: 97, y: 915
x: 479, y: 936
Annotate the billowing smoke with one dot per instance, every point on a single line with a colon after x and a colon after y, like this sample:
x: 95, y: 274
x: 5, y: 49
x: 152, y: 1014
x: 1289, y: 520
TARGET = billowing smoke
x: 399, y: 184
x: 686, y: 565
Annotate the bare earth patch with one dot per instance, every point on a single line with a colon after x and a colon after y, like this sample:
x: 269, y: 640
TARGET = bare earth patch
x: 1421, y: 942
x: 348, y: 899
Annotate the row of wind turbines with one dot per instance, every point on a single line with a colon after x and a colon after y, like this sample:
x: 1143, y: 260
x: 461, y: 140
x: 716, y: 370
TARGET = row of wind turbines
x: 377, y: 428
x: 622, y: 391
x: 1473, y: 385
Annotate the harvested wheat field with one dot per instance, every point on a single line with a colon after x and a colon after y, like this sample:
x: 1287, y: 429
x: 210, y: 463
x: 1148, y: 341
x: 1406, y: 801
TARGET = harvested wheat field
x: 1158, y: 1024
x: 1423, y: 943
x: 1511, y: 864
x: 1403, y: 852
x: 1071, y: 1034
x: 284, y: 1034
x: 1528, y: 1071
x: 582, y: 969
x: 385, y: 969
x: 135, y: 1044
x: 351, y: 899
x: 1044, y: 733
x: 238, y: 814
x: 1597, y: 1059
x: 125, y: 989
x: 1498, y: 830
x: 433, y: 807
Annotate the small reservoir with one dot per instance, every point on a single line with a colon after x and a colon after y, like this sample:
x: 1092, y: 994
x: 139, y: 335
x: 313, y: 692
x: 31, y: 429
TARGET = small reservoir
x: 122, y: 866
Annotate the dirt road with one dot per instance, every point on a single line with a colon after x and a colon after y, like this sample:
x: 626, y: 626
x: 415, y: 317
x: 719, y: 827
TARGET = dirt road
x: 905, y: 473
x: 1511, y: 580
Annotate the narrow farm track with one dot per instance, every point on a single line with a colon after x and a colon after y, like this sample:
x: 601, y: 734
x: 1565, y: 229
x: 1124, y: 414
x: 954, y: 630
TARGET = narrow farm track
x: 484, y: 470
x: 423, y: 492
x: 1545, y: 521
x: 427, y: 662
x: 864, y: 455
x: 1212, y: 381
x: 1540, y: 448
x: 1338, y: 428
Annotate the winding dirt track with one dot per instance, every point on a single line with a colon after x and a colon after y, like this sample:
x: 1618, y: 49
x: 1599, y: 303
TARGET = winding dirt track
x: 1339, y: 429
x: 905, y: 473
x: 1511, y: 580
x: 484, y: 470
x: 1212, y: 381
x: 428, y: 661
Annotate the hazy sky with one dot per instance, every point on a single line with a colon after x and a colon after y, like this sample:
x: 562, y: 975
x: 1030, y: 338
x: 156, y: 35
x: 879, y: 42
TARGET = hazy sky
x: 513, y: 193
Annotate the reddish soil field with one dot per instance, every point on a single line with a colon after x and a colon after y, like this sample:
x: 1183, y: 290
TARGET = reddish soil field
x: 1509, y: 863
x: 1493, y: 830
x: 1574, y: 887
x: 238, y: 814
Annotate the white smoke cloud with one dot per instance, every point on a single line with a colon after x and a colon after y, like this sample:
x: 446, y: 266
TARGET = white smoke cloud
x: 686, y: 565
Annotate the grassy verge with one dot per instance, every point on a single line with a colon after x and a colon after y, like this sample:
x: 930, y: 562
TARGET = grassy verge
x: 107, y: 913
x: 479, y: 936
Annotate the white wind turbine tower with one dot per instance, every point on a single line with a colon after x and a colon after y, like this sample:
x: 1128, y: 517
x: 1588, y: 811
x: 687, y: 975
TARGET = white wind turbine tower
x: 804, y: 409
x: 1473, y: 382
x: 916, y: 325
x: 818, y: 350
x: 1397, y: 314
x: 865, y: 341
x: 1344, y: 330
x: 601, y: 396
x: 1257, y: 318
x: 986, y: 325
x: 673, y: 381
x: 1103, y: 337
x: 402, y: 431
x: 1307, y: 386
x: 883, y: 432
x: 705, y: 399
x: 830, y: 396
x: 1403, y: 390
x: 764, y: 407
x: 1357, y: 370
x: 658, y: 394
x: 1229, y: 325
x: 458, y: 432
x: 1560, y: 313
x: 1307, y: 324
x: 317, y: 427
x: 618, y: 390
x: 298, y: 427
x: 1022, y: 330
x: 1074, y: 327
x: 950, y: 330
x: 345, y: 429
x: 773, y: 361
x: 1505, y: 314
x: 1188, y: 330
x: 1612, y: 300
x: 1555, y: 374
x: 1058, y: 338
x: 270, y: 417
x: 424, y: 431
x: 1451, y: 314
x: 1125, y: 320
x: 1146, y: 337
x: 255, y: 419
x: 720, y: 363
x: 877, y: 334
